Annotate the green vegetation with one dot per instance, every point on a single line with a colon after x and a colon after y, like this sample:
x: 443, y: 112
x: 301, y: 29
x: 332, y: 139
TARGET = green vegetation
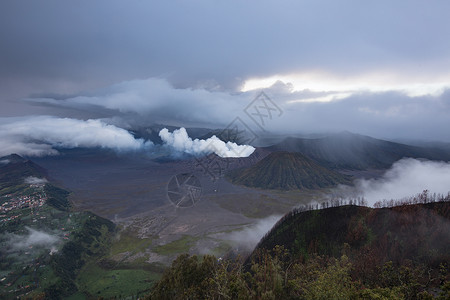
x: 178, y: 246
x: 57, y: 197
x: 128, y: 242
x: 110, y: 283
x: 287, y: 171
x: 276, y: 274
x: 91, y: 241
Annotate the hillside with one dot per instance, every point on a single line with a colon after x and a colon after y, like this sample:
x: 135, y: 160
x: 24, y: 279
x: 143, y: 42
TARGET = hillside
x: 419, y: 233
x: 287, y: 171
x: 13, y: 170
x: 40, y: 236
x: 353, y: 151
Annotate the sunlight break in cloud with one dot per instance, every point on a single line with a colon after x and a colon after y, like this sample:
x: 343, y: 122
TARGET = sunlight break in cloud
x: 38, y: 136
x: 181, y: 142
x: 370, y: 82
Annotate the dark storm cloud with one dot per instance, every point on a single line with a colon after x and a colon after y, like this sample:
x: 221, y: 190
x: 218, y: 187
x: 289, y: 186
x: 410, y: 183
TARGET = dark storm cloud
x: 51, y: 46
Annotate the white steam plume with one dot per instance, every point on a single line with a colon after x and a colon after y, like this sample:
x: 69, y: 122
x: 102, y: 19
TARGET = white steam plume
x: 179, y: 141
x: 37, y: 136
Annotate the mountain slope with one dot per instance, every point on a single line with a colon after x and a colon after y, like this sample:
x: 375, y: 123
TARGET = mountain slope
x: 287, y: 171
x: 353, y: 151
x: 13, y: 170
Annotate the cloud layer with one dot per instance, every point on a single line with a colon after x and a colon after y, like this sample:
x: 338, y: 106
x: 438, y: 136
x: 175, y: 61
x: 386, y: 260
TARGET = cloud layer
x: 40, y: 136
x: 380, y: 69
x: 383, y: 114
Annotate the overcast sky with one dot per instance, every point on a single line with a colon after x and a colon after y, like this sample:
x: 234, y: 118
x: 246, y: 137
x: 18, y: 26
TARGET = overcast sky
x: 380, y: 68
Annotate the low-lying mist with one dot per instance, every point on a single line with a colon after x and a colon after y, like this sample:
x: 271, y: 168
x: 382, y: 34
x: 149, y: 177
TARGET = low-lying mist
x: 407, y: 177
x: 249, y: 237
x: 33, y: 238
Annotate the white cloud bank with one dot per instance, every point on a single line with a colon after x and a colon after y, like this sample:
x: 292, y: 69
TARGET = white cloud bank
x: 179, y: 140
x: 39, y: 136
x: 407, y: 177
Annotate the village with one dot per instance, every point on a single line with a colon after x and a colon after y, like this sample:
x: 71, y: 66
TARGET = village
x: 11, y: 204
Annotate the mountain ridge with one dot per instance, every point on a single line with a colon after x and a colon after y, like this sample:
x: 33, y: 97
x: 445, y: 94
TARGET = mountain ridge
x: 353, y: 151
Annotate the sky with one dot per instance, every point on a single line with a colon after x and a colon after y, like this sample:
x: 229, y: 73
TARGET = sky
x: 379, y: 68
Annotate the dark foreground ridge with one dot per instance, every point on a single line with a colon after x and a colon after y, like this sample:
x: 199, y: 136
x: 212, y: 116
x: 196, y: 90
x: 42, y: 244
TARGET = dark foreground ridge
x: 419, y: 233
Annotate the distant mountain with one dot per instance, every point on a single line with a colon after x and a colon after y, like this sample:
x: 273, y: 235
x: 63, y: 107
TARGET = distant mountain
x: 420, y: 233
x: 358, y: 152
x: 287, y: 171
